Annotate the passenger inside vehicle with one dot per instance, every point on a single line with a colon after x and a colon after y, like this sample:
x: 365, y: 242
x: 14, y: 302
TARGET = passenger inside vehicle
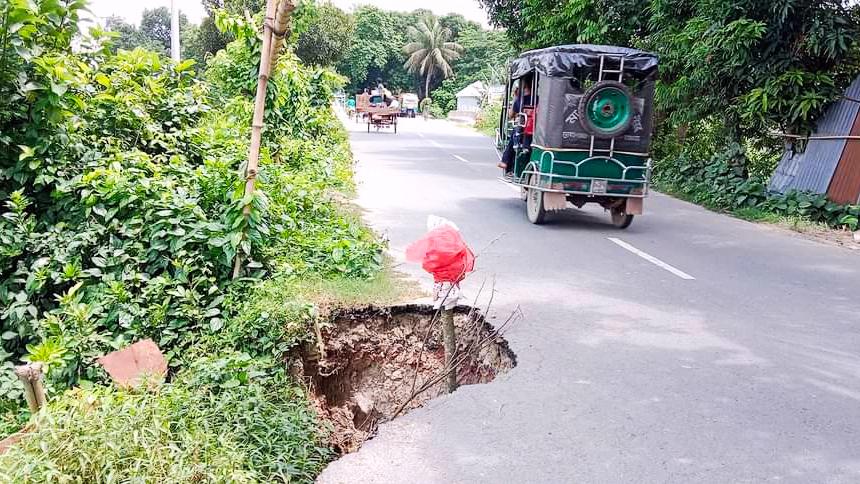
x: 522, y: 100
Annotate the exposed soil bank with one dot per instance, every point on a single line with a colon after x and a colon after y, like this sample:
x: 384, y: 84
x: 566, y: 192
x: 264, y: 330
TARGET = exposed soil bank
x: 375, y: 362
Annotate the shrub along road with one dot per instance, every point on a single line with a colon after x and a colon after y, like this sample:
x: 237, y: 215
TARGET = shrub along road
x: 692, y: 347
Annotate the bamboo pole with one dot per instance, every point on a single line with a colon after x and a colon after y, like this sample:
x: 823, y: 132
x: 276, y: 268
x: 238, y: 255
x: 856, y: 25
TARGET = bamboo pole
x: 282, y: 28
x: 259, y: 111
x: 31, y: 376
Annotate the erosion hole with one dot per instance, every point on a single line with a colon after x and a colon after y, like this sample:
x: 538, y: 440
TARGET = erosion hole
x: 373, y: 359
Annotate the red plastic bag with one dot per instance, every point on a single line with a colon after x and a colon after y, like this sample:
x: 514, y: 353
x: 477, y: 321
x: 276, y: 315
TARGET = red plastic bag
x: 443, y: 253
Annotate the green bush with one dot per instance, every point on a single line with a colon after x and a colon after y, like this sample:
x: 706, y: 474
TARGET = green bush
x: 227, y: 419
x: 735, y: 179
x: 488, y: 119
x: 122, y: 182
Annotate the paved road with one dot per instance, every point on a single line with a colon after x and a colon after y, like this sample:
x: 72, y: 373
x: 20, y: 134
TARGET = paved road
x: 628, y: 372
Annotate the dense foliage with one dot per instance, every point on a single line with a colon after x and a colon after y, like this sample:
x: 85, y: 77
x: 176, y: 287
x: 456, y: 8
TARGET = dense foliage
x: 376, y: 50
x: 732, y: 72
x: 122, y: 195
x: 485, y: 57
x: 327, y: 37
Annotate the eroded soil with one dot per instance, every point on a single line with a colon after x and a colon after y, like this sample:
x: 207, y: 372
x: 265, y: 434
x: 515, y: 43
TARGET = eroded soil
x: 378, y: 363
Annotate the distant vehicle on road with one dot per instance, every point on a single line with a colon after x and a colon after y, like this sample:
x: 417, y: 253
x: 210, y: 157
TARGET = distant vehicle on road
x: 382, y: 112
x: 409, y: 106
x: 576, y: 127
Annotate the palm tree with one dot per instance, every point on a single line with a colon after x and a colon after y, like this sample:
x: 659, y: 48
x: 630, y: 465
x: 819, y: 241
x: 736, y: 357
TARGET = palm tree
x: 430, y: 50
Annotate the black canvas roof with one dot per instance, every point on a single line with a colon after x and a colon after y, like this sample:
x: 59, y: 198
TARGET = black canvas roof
x: 575, y: 59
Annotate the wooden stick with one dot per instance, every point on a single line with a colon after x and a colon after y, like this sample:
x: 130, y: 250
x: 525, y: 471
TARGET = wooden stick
x: 31, y: 376
x: 259, y: 111
x: 450, y: 340
x: 282, y: 28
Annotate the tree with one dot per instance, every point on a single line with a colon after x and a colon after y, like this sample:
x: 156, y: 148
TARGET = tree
x: 757, y: 66
x: 750, y: 66
x: 155, y: 25
x: 192, y: 47
x: 430, y: 50
x: 458, y: 25
x: 211, y: 39
x: 541, y: 23
x: 153, y: 33
x: 327, y: 38
x: 375, y: 50
x: 127, y: 36
x: 485, y: 57
x: 237, y: 7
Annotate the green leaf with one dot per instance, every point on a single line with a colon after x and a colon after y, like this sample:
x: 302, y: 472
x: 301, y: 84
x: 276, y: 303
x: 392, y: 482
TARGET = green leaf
x: 215, y: 324
x: 103, y: 79
x: 59, y: 89
x: 185, y: 65
x: 26, y: 152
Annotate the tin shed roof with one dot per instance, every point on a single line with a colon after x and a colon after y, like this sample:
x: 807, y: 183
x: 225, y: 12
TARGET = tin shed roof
x: 812, y: 170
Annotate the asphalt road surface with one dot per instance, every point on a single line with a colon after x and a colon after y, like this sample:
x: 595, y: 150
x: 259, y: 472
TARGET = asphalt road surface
x: 691, y: 347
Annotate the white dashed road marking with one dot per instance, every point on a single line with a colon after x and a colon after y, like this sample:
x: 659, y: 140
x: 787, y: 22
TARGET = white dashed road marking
x: 650, y: 258
x: 461, y: 159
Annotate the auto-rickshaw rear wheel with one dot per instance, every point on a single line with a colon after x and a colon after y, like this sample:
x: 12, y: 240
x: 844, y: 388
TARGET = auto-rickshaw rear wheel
x: 535, y: 210
x: 620, y: 219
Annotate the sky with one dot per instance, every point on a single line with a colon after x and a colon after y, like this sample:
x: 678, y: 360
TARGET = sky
x: 467, y: 8
x: 132, y: 9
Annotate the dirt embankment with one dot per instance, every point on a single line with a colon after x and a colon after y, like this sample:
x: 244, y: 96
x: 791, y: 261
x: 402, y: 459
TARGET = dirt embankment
x: 378, y: 363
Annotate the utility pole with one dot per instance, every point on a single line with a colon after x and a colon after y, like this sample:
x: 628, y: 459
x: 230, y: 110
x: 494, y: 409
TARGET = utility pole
x: 174, y: 32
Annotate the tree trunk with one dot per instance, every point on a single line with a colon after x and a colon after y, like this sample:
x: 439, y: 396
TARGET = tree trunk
x: 450, y: 340
x: 427, y: 85
x: 682, y: 133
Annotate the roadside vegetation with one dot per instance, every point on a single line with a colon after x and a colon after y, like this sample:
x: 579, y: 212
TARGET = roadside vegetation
x: 734, y: 75
x: 383, y: 42
x: 122, y: 189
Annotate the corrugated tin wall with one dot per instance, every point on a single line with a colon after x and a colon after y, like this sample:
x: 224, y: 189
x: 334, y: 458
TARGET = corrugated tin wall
x: 845, y: 186
x: 812, y: 170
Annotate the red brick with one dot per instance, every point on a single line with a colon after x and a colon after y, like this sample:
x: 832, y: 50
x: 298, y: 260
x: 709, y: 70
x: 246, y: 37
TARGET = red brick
x: 136, y: 364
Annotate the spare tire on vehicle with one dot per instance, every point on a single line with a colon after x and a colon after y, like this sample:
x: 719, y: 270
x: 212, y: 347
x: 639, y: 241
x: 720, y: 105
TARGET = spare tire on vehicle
x: 606, y: 109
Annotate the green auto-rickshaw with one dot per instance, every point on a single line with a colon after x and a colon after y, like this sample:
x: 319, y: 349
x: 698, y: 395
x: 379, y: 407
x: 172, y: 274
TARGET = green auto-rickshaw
x: 576, y: 127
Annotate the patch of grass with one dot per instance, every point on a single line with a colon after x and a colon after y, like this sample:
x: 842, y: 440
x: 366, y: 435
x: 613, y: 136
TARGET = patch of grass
x: 794, y: 223
x: 232, y: 418
x: 488, y: 120
x: 279, y: 314
x: 755, y: 214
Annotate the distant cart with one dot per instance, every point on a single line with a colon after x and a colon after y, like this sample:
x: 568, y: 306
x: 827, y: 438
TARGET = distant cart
x: 382, y: 117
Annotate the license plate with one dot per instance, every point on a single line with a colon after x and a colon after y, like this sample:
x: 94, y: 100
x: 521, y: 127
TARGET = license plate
x: 598, y: 186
